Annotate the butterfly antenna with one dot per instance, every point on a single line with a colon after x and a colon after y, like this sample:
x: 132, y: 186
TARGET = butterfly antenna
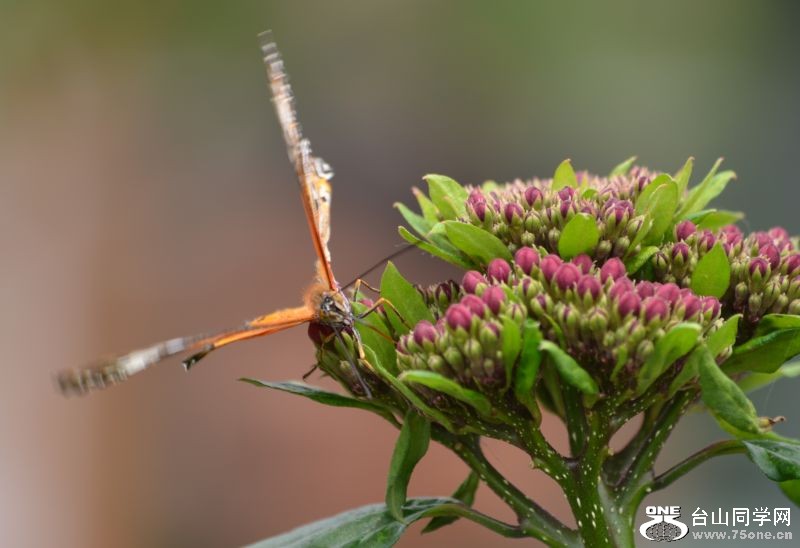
x: 404, y: 249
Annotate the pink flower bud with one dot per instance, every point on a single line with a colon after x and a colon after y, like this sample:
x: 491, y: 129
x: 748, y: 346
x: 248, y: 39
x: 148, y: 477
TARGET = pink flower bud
x: 458, y: 316
x: 532, y: 194
x: 319, y: 333
x: 684, y: 229
x: 566, y: 276
x: 494, y: 298
x: 792, y: 263
x: 645, y: 289
x: 526, y: 258
x: 498, y: 270
x: 590, y: 285
x: 669, y: 292
x: 613, y: 268
x: 566, y: 193
x: 778, y: 233
x: 565, y: 206
x: 711, y: 305
x: 758, y: 266
x: 692, y: 305
x: 472, y: 280
x: 620, y: 287
x: 771, y: 253
x: 512, y: 210
x: 424, y: 331
x: 655, y: 308
x: 706, y: 240
x: 619, y: 209
x: 479, y: 209
x: 583, y: 262
x: 731, y: 234
x: 680, y: 252
x: 761, y: 238
x: 548, y: 266
x: 629, y: 303
x: 475, y: 304
x: 476, y: 197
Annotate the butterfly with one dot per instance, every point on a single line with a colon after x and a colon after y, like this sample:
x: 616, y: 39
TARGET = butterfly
x: 324, y: 303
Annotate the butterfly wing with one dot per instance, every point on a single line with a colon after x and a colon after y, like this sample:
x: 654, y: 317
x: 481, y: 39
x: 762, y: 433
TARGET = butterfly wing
x: 116, y: 370
x: 313, y: 173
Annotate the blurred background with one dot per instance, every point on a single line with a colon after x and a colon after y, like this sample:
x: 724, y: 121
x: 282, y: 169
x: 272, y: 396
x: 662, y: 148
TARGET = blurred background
x: 145, y: 193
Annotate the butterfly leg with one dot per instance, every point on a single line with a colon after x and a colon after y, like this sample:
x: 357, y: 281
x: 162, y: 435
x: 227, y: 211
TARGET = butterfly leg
x: 357, y: 287
x: 384, y: 302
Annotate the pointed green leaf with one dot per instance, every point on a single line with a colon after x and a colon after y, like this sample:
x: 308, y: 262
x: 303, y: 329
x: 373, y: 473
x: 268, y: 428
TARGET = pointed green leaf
x: 658, y: 201
x: 442, y: 384
x: 791, y: 489
x: 465, y: 493
x: 510, y: 345
x: 690, y: 370
x: 528, y: 368
x: 754, y: 381
x: 426, y: 206
x: 724, y: 337
x: 476, y: 243
x: 714, y: 219
x: 708, y: 189
x: 779, y: 460
x: 365, y: 527
x: 376, y: 334
x: 564, y: 176
x: 417, y: 222
x: 636, y: 262
x: 569, y: 369
x: 432, y: 249
x: 775, y: 341
x: 623, y: 168
x: 683, y: 176
x: 677, y: 342
x: 580, y: 235
x: 412, y: 444
x: 712, y: 275
x: 724, y: 398
x: 404, y: 296
x: 449, y: 196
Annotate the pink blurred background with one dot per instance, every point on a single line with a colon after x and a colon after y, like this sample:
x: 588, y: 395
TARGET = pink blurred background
x: 145, y: 194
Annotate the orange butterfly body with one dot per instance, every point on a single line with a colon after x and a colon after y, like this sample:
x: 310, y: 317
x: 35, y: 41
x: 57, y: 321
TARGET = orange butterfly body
x: 323, y: 302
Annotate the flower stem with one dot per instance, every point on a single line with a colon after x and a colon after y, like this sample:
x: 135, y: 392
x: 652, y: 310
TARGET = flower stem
x: 462, y: 511
x: 727, y: 447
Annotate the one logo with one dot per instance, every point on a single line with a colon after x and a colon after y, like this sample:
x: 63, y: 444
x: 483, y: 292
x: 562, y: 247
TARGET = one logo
x: 663, y: 524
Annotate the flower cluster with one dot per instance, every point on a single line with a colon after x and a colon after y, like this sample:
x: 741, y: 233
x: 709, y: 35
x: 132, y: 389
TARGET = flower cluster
x: 533, y: 213
x: 603, y: 319
x: 765, y: 267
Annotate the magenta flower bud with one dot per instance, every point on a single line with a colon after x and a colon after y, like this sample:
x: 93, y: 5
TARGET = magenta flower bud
x: 494, y: 298
x: 565, y: 206
x: 642, y: 182
x: 771, y: 253
x: 476, y: 197
x: 479, y: 209
x: 711, y: 305
x: 761, y: 238
x: 731, y: 234
x: 669, y: 292
x: 511, y: 211
x: 472, y: 280
x: 532, y: 194
x: 590, y: 285
x: 498, y: 270
x: 680, y: 252
x: 692, y: 305
x: 645, y: 289
x: 620, y: 287
x: 618, y: 209
x: 526, y: 258
x: 475, y: 305
x: 548, y: 266
x: 684, y: 229
x: 778, y: 233
x: 424, y: 331
x: 655, y: 308
x: 319, y: 333
x: 792, y: 263
x: 613, y: 268
x: 629, y: 303
x: 567, y: 276
x: 566, y: 193
x: 457, y: 316
x: 758, y: 266
x: 706, y: 240
x: 583, y: 262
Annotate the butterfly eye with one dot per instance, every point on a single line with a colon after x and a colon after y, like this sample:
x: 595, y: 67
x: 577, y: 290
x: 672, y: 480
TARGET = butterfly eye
x: 323, y: 168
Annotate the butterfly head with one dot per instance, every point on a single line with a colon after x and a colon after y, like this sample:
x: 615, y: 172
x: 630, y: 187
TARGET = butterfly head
x: 334, y: 309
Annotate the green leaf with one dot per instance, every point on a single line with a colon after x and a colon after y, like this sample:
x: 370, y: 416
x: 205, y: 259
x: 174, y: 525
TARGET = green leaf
x: 417, y: 222
x: 658, y: 201
x: 569, y: 369
x: 449, y: 196
x: 683, y: 176
x: 476, y: 243
x: 564, y: 176
x: 724, y: 398
x: 371, y: 526
x: 623, y: 168
x: 791, y: 489
x: 436, y: 251
x: 635, y: 263
x: 404, y: 297
x: 465, y: 493
x: 647, y: 226
x: 442, y: 384
x: 713, y: 219
x: 376, y: 334
x: 690, y: 370
x: 528, y: 367
x: 754, y: 381
x: 322, y: 396
x: 779, y: 460
x: 510, y: 345
x: 709, y: 188
x: 580, y: 235
x: 712, y: 275
x: 724, y: 337
x: 412, y: 444
x: 677, y: 342
x: 775, y: 341
x: 426, y: 206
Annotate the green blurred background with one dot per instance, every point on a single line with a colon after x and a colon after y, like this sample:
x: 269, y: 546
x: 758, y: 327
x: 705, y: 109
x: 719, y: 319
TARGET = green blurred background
x: 145, y: 193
